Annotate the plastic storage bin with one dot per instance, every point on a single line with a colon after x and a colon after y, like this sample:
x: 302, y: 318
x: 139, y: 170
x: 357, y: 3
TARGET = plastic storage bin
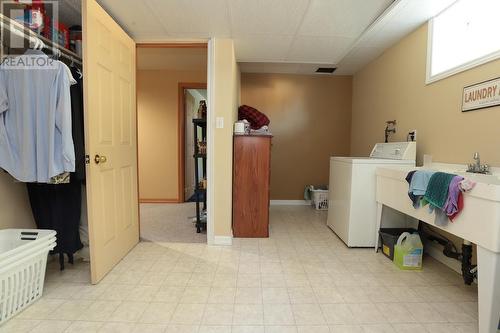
x: 390, y: 237
x: 23, y: 261
x: 320, y: 199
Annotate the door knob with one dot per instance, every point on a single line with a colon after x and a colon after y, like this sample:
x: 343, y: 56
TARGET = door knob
x: 100, y: 159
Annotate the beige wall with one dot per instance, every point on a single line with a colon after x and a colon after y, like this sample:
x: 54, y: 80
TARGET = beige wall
x: 157, y: 109
x: 15, y: 210
x: 310, y: 120
x: 225, y: 104
x: 393, y: 87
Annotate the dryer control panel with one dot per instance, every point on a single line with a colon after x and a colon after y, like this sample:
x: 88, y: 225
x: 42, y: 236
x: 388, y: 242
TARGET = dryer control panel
x: 395, y: 150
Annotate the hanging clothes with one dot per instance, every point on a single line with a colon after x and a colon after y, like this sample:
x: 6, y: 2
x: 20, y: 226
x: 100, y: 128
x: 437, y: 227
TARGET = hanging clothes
x: 58, y: 207
x: 36, y: 141
x: 78, y: 123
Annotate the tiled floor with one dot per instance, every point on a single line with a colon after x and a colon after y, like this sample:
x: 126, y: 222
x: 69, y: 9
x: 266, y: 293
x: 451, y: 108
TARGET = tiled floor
x: 170, y: 223
x: 302, y: 279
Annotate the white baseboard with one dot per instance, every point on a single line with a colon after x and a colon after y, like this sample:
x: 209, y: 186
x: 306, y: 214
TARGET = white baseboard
x: 223, y: 240
x: 436, y: 251
x: 290, y: 202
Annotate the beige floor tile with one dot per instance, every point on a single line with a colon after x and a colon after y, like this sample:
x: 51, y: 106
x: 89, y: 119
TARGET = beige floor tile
x: 218, y: 314
x: 16, y: 325
x: 248, y: 314
x: 313, y: 329
x: 328, y: 295
x: 158, y: 313
x: 275, y: 296
x: 128, y: 311
x: 215, y: 329
x: 41, y: 309
x: 247, y: 329
x: 280, y: 329
x: 149, y: 328
x: 182, y: 329
x: 424, y: 313
x: 337, y: 314
x: 308, y: 314
x: 188, y: 314
x: 273, y: 281
x: 378, y: 328
x: 84, y: 327
x: 99, y: 310
x: 142, y: 293
x: 453, y: 312
x: 366, y: 313
x: 408, y: 328
x: 51, y: 326
x: 395, y: 313
x: 117, y: 328
x: 70, y: 310
x: 249, y: 281
x: 278, y: 314
x: 346, y: 329
x: 222, y: 295
x: 248, y: 296
x: 302, y: 295
x: 195, y: 295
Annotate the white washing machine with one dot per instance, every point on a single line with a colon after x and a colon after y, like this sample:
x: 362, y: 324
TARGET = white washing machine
x: 352, y: 208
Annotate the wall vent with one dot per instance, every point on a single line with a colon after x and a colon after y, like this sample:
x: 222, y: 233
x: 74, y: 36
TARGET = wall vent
x: 326, y: 70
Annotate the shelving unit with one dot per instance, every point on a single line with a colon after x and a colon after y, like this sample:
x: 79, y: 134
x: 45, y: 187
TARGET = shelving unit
x: 200, y: 193
x: 15, y: 27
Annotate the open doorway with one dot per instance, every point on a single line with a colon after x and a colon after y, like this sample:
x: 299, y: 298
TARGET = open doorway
x: 171, y: 86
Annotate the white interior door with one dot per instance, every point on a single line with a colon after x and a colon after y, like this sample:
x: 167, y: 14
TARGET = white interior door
x: 111, y: 139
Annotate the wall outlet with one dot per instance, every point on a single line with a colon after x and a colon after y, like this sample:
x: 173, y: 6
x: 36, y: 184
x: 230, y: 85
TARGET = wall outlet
x: 219, y: 122
x: 412, y: 135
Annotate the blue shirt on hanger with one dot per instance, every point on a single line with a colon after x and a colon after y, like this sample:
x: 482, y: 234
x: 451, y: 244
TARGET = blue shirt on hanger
x: 35, y: 118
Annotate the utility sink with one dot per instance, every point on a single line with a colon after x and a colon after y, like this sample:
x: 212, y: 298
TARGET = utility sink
x: 478, y: 222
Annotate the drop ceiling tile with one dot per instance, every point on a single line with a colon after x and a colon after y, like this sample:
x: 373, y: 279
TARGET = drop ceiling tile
x: 347, y: 18
x: 280, y: 17
x: 262, y: 47
x: 269, y: 67
x: 207, y: 18
x: 319, y: 49
x: 132, y: 15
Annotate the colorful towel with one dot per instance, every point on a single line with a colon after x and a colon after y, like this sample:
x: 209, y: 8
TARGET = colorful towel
x: 437, y: 189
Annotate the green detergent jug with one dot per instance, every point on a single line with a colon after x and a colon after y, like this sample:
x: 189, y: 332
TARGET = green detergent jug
x: 408, y: 252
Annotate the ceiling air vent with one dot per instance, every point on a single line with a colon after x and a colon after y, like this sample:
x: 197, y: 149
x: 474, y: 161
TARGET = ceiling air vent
x: 326, y: 70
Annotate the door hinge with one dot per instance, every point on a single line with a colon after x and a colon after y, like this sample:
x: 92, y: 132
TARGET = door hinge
x: 87, y: 159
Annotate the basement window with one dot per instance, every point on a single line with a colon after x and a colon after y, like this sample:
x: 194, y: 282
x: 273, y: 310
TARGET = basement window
x: 463, y: 36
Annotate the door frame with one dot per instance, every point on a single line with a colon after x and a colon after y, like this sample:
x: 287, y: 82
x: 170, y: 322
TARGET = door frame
x: 208, y: 44
x: 181, y: 130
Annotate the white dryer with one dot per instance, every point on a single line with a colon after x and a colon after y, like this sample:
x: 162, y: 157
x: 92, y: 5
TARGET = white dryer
x: 352, y: 207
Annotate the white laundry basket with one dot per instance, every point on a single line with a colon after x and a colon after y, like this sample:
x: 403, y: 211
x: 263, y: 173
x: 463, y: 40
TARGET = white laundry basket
x: 320, y: 199
x: 23, y: 261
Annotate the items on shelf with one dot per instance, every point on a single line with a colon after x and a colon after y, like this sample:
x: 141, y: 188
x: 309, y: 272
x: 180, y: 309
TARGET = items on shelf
x: 200, y: 175
x: 202, y: 110
x: 202, y: 147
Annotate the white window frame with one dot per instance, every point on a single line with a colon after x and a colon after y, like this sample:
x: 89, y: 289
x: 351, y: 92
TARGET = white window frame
x: 455, y: 70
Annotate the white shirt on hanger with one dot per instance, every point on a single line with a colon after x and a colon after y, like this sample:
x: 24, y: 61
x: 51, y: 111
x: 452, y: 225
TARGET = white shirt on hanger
x: 36, y: 140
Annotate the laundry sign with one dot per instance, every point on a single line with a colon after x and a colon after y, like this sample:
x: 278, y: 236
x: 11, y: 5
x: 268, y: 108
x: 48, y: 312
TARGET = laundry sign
x: 481, y: 95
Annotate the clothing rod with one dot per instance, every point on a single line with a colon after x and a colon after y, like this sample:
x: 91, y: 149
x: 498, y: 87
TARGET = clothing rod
x: 36, y: 39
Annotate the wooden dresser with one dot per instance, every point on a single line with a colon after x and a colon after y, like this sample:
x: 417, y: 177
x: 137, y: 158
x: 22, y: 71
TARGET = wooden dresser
x: 251, y: 177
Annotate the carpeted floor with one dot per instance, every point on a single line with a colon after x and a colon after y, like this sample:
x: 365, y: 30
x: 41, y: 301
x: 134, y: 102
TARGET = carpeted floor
x: 170, y: 223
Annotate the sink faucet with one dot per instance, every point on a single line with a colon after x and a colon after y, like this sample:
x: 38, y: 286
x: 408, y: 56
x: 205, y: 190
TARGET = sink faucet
x: 477, y: 167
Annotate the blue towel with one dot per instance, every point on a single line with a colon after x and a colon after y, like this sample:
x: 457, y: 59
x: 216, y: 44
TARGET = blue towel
x: 418, y: 185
